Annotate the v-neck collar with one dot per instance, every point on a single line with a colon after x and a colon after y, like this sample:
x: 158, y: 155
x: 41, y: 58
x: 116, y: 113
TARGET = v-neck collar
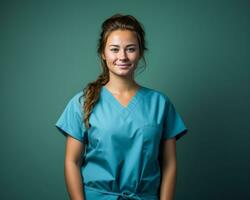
x: 124, y: 110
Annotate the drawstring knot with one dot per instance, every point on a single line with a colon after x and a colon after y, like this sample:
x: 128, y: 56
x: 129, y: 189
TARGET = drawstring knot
x: 130, y: 196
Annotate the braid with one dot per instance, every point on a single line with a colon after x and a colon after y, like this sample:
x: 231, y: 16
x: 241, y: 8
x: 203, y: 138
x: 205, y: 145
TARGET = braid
x: 91, y: 94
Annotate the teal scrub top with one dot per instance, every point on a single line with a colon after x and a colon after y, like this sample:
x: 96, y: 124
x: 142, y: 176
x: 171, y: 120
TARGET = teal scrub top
x: 123, y: 144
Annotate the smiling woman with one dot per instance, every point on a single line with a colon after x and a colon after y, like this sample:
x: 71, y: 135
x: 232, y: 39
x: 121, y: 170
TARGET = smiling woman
x: 121, y: 53
x: 120, y: 135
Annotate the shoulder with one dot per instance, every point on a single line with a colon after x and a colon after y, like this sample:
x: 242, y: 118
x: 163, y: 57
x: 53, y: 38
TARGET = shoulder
x: 156, y: 94
x: 75, y: 102
x: 77, y: 98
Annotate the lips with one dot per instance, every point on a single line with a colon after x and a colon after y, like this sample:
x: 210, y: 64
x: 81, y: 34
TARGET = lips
x: 123, y: 65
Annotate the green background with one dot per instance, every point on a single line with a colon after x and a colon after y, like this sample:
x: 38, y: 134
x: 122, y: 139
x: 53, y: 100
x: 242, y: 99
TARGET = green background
x: 198, y: 55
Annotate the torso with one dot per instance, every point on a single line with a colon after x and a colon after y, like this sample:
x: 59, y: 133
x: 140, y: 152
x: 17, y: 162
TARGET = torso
x: 124, y: 99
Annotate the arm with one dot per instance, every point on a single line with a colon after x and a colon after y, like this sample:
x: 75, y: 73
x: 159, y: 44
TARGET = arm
x: 169, y: 170
x: 72, y: 174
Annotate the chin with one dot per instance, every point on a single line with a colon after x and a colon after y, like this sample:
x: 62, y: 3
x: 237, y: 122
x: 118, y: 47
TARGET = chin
x: 123, y: 74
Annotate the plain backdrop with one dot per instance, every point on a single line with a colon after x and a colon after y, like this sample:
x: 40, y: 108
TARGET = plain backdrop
x: 198, y: 56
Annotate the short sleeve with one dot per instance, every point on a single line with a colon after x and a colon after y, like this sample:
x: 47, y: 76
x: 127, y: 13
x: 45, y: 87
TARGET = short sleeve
x: 70, y: 121
x: 173, y: 125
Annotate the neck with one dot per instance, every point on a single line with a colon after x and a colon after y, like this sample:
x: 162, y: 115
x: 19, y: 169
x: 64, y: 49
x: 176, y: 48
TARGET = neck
x: 121, y: 85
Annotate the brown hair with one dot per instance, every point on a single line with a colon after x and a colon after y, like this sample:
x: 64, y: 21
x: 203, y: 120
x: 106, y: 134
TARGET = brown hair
x: 115, y: 22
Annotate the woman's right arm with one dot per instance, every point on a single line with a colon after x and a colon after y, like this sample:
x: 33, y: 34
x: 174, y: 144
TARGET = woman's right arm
x: 74, y: 149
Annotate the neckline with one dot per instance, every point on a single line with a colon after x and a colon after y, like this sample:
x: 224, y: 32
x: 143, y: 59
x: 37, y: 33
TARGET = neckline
x: 131, y: 102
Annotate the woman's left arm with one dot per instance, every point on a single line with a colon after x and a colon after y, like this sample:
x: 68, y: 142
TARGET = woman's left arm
x: 169, y: 170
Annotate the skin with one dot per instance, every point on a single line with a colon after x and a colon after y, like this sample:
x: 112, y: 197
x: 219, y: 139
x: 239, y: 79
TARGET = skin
x: 74, y: 150
x: 169, y: 170
x: 121, y: 48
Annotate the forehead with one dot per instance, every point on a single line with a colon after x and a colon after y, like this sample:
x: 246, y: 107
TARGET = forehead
x: 120, y: 37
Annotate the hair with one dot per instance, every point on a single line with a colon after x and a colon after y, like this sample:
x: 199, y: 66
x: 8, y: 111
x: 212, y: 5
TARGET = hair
x: 115, y: 22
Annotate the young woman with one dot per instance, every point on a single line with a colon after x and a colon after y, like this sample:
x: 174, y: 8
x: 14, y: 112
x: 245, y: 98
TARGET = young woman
x: 121, y: 136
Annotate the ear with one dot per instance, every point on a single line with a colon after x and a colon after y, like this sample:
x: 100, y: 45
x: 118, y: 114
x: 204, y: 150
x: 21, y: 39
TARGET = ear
x: 103, y: 56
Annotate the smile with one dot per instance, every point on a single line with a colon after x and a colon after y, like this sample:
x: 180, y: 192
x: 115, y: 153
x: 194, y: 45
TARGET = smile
x: 123, y: 65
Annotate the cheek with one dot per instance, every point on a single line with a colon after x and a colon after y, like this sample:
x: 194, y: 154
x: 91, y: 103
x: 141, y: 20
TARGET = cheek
x: 134, y: 57
x: 110, y: 57
x: 110, y: 62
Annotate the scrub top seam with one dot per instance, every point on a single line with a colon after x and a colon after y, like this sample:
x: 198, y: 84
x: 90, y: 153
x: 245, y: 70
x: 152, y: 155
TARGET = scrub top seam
x: 124, y: 111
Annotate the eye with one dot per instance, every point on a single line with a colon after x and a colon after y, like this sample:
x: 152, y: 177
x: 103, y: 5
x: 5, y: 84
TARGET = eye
x: 131, y: 49
x: 114, y: 49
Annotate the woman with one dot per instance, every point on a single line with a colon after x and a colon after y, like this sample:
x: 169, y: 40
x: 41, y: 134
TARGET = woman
x: 122, y: 136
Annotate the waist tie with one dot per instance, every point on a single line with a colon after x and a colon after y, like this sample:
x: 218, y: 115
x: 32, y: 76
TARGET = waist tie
x: 125, y: 195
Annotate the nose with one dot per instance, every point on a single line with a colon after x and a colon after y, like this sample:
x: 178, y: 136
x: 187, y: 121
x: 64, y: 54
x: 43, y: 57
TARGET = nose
x: 122, y: 55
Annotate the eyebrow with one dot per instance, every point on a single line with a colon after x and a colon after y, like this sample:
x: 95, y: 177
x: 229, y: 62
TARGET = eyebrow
x: 126, y: 46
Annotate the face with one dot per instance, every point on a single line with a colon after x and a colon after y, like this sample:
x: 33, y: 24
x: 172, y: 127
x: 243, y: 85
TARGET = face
x: 121, y: 53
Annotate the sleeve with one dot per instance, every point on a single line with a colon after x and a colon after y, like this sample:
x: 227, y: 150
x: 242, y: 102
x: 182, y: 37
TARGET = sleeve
x: 173, y: 125
x: 70, y: 121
